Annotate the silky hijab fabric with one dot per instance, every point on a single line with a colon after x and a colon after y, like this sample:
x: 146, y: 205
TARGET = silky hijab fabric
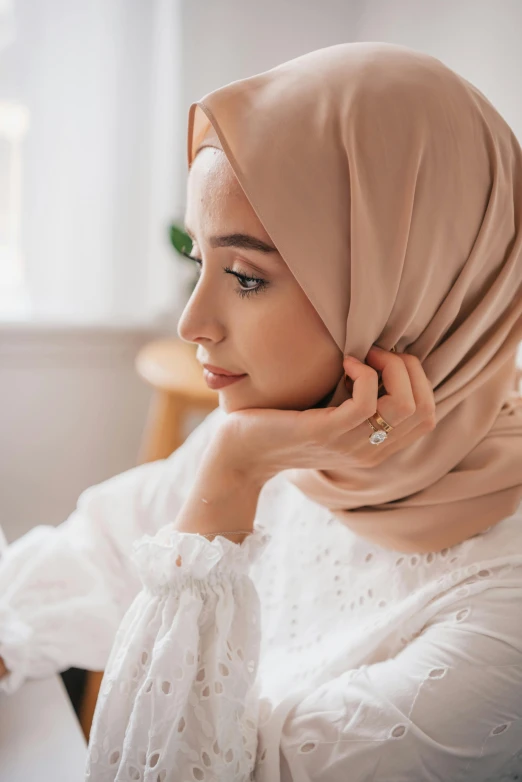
x: 392, y: 189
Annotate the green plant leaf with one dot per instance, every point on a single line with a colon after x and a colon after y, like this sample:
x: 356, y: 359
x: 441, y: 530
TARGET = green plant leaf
x: 179, y: 239
x: 182, y: 243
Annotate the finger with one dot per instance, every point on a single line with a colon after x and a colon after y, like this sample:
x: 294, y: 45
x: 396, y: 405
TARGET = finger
x: 398, y: 403
x: 422, y: 392
x: 424, y: 419
x: 365, y: 383
x: 413, y: 427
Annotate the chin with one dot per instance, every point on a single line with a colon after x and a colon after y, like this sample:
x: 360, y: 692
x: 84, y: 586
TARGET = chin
x: 230, y: 405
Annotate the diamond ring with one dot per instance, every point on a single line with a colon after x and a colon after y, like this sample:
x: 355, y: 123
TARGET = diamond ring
x: 379, y: 435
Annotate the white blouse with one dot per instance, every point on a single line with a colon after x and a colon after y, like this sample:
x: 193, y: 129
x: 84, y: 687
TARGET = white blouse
x: 305, y: 653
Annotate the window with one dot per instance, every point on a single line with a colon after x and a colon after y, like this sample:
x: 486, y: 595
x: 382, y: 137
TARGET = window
x: 14, y: 121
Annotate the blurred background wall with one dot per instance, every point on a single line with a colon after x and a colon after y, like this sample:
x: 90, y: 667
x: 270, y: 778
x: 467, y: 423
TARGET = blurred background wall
x: 93, y: 104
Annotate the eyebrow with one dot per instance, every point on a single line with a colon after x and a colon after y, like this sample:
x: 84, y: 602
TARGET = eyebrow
x: 243, y: 241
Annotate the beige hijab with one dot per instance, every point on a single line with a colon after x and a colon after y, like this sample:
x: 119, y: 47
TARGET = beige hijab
x: 393, y: 190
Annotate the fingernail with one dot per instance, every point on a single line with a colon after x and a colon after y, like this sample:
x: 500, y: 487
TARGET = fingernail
x: 352, y: 358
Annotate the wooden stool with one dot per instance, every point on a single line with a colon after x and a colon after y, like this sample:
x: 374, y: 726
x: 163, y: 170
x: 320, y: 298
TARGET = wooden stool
x: 171, y: 368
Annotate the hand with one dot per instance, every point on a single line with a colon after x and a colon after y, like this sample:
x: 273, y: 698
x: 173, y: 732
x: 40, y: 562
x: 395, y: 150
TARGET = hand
x: 262, y: 442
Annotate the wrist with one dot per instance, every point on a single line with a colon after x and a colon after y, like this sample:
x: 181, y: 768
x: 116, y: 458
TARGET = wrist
x: 220, y: 499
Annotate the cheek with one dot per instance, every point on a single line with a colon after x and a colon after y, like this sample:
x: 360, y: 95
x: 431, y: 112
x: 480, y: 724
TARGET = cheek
x: 303, y: 339
x: 294, y: 350
x: 279, y: 338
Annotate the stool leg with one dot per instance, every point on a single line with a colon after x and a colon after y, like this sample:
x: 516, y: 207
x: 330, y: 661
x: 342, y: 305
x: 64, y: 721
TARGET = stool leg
x: 90, y: 696
x: 163, y: 431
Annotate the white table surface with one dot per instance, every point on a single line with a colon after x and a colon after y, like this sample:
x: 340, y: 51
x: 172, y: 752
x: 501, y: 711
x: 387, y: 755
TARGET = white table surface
x: 40, y: 736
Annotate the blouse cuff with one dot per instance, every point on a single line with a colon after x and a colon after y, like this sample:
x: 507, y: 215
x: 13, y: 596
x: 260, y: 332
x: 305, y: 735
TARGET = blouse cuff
x: 170, y: 556
x: 15, y: 649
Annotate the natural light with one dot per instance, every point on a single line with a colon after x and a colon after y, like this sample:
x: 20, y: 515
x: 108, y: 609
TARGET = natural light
x: 14, y: 122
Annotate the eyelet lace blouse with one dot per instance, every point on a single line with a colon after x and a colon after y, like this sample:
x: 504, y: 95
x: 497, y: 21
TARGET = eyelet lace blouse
x: 305, y: 653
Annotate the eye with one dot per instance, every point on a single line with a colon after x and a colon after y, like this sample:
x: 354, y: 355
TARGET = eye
x: 260, y: 283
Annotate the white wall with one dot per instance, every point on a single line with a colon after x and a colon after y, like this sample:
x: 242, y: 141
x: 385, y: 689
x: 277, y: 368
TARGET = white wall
x: 72, y: 413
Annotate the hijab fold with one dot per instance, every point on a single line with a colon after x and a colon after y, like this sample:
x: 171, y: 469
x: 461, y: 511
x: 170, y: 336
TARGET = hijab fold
x: 392, y: 189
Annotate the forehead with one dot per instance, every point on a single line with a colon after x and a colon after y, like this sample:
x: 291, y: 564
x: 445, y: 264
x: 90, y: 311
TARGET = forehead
x: 215, y: 198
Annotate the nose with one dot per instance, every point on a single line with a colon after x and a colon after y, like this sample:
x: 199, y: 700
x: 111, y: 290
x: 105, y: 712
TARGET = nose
x: 200, y: 321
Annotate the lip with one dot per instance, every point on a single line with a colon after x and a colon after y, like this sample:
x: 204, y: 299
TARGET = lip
x: 216, y: 381
x: 221, y: 371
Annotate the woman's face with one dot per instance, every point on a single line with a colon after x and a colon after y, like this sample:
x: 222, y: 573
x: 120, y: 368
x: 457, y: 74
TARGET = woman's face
x: 267, y: 327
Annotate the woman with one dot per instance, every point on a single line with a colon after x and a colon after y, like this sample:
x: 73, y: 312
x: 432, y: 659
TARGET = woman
x: 331, y: 577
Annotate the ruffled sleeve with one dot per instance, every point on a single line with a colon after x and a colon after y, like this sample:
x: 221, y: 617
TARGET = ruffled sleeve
x: 64, y: 590
x: 178, y: 699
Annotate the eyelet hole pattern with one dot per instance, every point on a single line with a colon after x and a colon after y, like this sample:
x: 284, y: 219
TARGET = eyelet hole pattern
x: 437, y: 673
x: 500, y: 729
x: 462, y: 614
x: 398, y: 731
x: 154, y: 759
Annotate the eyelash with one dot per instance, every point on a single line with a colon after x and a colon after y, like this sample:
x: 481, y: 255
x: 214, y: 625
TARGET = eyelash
x: 242, y: 292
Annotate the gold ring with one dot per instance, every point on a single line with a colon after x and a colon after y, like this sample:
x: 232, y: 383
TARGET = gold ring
x: 381, y: 422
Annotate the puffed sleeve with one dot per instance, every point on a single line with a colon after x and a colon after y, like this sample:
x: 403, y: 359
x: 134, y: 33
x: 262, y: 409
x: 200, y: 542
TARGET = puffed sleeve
x: 65, y: 589
x: 178, y: 699
x: 447, y: 707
